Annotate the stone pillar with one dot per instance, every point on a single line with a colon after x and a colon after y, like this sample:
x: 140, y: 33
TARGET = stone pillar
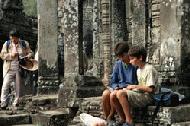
x: 185, y: 39
x: 138, y: 22
x: 118, y: 22
x: 119, y: 27
x: 47, y: 46
x: 106, y: 36
x: 61, y: 38
x: 96, y: 42
x: 129, y: 21
x: 75, y: 84
x: 71, y: 51
x: 170, y: 38
x: 154, y: 52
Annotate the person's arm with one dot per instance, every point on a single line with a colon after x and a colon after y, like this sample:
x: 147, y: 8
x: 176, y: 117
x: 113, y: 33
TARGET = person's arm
x: 5, y: 55
x: 115, y: 76
x: 141, y: 88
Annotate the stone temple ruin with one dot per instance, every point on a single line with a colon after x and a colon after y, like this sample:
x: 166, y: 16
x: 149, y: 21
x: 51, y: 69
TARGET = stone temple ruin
x: 75, y: 39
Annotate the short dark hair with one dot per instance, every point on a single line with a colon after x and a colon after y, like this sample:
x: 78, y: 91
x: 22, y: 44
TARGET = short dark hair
x: 121, y: 48
x: 137, y: 51
x: 14, y: 33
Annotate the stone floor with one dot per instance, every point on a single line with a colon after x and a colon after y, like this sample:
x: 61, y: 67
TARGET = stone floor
x: 42, y: 111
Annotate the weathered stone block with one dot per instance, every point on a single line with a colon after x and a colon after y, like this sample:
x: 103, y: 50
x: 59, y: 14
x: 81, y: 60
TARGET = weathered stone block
x: 156, y: 7
x: 51, y: 118
x: 170, y: 115
x: 44, y: 102
x: 78, y: 87
x: 14, y: 119
x: 181, y: 124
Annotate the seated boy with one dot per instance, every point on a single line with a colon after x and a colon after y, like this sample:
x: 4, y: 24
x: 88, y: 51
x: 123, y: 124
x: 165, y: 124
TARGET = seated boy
x: 137, y: 95
x: 123, y: 74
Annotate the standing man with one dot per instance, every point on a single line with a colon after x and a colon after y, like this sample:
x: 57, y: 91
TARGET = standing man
x: 10, y: 53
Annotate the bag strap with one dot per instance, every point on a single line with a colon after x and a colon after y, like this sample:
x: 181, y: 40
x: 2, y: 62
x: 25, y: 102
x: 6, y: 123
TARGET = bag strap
x: 7, y: 45
x: 22, y: 43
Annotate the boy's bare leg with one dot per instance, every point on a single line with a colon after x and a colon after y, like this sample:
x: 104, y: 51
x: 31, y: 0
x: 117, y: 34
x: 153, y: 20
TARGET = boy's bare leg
x: 115, y: 102
x: 123, y: 100
x: 112, y: 111
x: 106, y: 103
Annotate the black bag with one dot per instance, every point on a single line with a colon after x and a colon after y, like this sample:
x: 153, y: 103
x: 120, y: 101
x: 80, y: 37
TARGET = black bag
x: 168, y: 99
x: 22, y: 61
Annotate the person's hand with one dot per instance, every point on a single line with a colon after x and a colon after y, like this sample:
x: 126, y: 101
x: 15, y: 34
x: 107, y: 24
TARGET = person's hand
x: 117, y: 88
x: 105, y: 81
x: 14, y: 54
x: 98, y: 124
x: 131, y: 87
x: 124, y: 88
x: 114, y: 92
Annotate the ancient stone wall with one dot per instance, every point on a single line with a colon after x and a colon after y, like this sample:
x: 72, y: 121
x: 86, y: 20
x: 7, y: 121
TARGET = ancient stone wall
x: 27, y: 26
x: 30, y: 7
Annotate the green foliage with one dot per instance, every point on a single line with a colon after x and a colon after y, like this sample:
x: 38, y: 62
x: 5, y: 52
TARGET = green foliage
x: 30, y: 7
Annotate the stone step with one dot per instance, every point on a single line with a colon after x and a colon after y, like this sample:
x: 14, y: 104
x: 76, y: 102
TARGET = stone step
x: 44, y: 102
x: 171, y: 115
x: 58, y: 117
x: 166, y: 115
x: 76, y: 122
x: 25, y: 125
x: 22, y: 118
x: 181, y: 124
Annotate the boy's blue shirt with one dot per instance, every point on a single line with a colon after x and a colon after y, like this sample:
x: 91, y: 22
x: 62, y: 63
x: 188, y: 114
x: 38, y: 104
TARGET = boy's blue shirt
x: 122, y: 75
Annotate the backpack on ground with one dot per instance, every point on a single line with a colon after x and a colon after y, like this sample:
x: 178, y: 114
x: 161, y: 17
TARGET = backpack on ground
x: 167, y: 99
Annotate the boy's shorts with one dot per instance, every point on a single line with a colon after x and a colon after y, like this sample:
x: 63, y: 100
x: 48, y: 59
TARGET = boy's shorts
x: 138, y: 99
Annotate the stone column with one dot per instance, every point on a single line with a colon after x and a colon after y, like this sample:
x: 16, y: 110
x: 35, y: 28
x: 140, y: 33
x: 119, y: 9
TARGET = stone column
x: 61, y: 38
x: 138, y: 22
x: 96, y: 42
x: 106, y: 36
x: 71, y: 52
x: 170, y: 38
x: 118, y: 22
x: 119, y: 27
x: 184, y: 11
x: 129, y: 20
x: 75, y: 84
x: 47, y: 46
x: 154, y: 52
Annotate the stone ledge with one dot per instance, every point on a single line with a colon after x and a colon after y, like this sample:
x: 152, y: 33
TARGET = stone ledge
x: 170, y: 115
x: 181, y: 124
x: 25, y: 125
x: 6, y: 119
x: 51, y: 118
x: 42, y: 99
